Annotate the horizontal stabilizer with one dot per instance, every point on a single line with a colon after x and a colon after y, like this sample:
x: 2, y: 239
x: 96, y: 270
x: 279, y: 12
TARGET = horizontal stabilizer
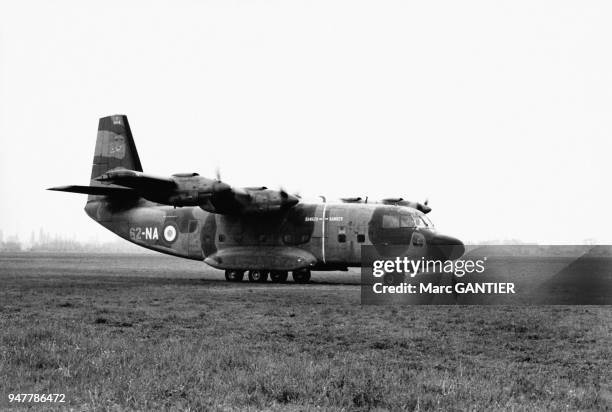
x: 110, y: 190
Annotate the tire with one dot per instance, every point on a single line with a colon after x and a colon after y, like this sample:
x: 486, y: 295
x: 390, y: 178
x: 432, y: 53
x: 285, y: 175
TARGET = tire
x: 258, y: 276
x: 301, y: 276
x: 279, y: 276
x: 233, y: 275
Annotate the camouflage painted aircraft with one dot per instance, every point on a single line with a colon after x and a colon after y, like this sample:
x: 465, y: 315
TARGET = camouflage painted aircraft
x: 265, y: 232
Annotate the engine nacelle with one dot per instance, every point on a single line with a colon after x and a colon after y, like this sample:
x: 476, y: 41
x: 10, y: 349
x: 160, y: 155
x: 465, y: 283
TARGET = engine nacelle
x: 194, y: 190
x: 352, y: 200
x: 399, y: 201
x: 249, y: 201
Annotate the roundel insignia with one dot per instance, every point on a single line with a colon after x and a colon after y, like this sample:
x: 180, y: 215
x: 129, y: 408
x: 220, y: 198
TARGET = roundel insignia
x: 170, y: 233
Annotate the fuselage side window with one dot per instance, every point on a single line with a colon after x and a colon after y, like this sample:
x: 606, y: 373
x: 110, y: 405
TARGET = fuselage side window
x: 341, y: 234
x: 390, y: 222
x: 406, y: 221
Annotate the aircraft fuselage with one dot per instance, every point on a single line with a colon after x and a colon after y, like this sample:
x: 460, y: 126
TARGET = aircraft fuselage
x: 317, y: 235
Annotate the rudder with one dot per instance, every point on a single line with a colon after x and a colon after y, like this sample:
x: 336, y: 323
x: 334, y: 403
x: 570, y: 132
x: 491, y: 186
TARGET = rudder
x: 115, y: 146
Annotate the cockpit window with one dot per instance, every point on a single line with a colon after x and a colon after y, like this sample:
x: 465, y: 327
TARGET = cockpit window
x: 424, y: 221
x: 419, y: 222
x: 406, y: 221
x: 390, y: 221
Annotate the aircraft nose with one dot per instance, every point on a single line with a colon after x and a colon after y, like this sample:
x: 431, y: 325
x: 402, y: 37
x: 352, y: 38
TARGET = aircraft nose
x: 449, y: 248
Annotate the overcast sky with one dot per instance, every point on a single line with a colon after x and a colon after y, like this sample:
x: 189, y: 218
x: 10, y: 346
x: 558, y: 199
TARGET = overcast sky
x: 499, y: 112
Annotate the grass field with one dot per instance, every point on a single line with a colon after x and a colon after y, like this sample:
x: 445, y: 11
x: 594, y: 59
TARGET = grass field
x: 153, y: 332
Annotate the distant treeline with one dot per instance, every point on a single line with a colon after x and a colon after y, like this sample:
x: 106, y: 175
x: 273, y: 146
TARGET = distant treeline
x: 67, y: 245
x: 42, y: 241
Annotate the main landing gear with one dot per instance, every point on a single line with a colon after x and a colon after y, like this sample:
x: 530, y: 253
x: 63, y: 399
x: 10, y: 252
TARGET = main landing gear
x: 234, y: 275
x: 261, y: 276
x: 279, y: 276
x: 301, y: 276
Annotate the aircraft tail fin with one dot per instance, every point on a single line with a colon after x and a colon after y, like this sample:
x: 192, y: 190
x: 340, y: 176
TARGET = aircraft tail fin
x: 115, y: 147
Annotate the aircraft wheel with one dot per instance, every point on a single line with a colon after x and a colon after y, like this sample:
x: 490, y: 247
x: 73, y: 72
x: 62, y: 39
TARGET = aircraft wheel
x: 279, y: 276
x: 258, y: 276
x: 234, y: 275
x: 301, y: 276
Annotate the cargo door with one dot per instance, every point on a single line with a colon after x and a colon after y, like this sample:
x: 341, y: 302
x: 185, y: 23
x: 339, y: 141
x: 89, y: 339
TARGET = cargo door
x: 339, y: 237
x: 319, y: 234
x: 194, y: 247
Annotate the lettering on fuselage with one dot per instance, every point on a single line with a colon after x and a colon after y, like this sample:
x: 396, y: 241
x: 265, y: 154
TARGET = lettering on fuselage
x: 320, y: 219
x: 144, y: 233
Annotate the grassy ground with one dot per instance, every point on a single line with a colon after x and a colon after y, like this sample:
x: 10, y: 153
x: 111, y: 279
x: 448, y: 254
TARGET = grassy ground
x: 154, y: 332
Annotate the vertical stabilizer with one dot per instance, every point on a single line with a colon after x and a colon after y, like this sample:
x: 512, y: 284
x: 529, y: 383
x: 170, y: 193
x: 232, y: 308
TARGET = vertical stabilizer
x: 114, y: 146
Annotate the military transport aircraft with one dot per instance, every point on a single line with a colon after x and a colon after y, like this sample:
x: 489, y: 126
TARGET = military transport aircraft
x: 263, y: 231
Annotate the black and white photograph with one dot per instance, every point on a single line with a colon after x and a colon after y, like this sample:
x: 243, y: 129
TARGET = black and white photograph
x: 263, y: 205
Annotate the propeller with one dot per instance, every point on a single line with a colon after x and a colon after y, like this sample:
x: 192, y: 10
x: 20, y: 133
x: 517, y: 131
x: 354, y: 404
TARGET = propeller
x: 424, y: 207
x: 287, y: 199
x: 218, y: 174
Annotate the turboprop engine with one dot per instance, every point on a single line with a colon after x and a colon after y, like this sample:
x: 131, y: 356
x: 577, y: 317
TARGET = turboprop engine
x: 250, y: 200
x: 399, y: 201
